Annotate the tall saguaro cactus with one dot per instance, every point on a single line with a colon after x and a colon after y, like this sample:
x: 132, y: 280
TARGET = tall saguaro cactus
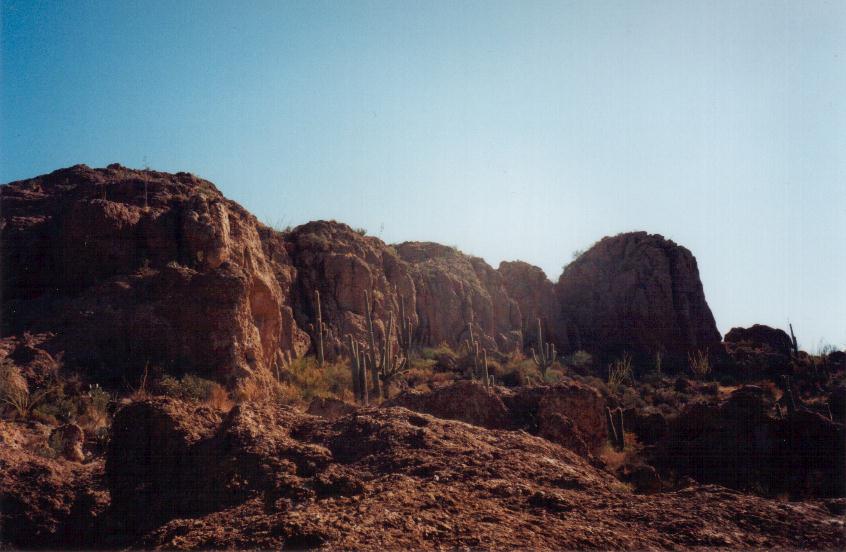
x: 386, y: 364
x: 405, y: 330
x: 616, y: 430
x: 358, y: 366
x: 546, y: 353
x: 319, y: 328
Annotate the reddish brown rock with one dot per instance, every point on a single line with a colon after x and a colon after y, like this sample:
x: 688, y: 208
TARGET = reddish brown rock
x: 128, y: 268
x: 453, y: 289
x: 466, y: 401
x: 47, y: 502
x: 535, y: 295
x: 544, y: 410
x: 391, y: 478
x: 637, y: 292
x: 329, y: 408
x: 761, y: 337
x: 743, y: 443
x: 342, y: 264
x: 570, y: 414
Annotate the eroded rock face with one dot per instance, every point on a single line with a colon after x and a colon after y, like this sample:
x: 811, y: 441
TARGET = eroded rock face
x: 637, y: 292
x: 535, y: 295
x: 128, y: 268
x: 454, y: 289
x: 342, y: 265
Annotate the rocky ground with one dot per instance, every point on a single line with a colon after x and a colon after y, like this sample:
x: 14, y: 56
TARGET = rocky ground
x: 161, y: 388
x: 265, y: 476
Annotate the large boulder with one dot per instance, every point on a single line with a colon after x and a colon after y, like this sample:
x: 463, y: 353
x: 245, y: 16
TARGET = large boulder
x: 566, y: 413
x: 762, y: 338
x: 637, y: 292
x: 570, y: 413
x: 467, y: 401
x: 757, y: 351
x: 152, y: 466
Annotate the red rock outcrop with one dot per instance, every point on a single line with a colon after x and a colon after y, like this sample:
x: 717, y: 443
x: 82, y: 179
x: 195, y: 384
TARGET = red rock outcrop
x: 535, y: 295
x: 637, y: 292
x: 128, y: 268
x: 47, y: 502
x: 453, y: 289
x: 466, y: 401
x: 342, y: 265
x: 570, y: 414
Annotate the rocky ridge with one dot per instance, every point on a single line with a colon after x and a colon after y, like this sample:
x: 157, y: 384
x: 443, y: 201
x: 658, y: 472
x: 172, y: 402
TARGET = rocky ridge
x: 120, y: 269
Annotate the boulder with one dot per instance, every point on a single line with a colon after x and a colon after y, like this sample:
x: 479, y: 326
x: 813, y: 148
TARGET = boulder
x: 636, y: 292
x: 329, y: 408
x: 466, y: 401
x: 152, y: 469
x: 741, y: 443
x: 761, y: 337
x: 67, y: 440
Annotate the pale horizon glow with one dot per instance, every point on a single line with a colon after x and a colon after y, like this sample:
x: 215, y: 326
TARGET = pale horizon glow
x: 512, y: 130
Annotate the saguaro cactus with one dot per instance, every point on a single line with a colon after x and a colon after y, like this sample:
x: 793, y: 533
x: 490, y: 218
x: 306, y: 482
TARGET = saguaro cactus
x: 546, y: 353
x: 488, y: 377
x: 405, y: 331
x: 319, y: 328
x: 386, y: 364
x: 616, y: 431
x: 358, y: 366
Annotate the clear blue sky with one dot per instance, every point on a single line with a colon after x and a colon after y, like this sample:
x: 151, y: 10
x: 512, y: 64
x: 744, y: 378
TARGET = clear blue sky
x: 510, y: 129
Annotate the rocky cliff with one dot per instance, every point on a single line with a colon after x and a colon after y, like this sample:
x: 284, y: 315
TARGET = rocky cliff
x: 638, y: 292
x: 121, y: 269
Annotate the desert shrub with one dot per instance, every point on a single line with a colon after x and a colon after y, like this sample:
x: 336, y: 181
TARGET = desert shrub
x: 194, y: 388
x: 620, y: 372
x: 264, y: 388
x: 310, y: 380
x: 420, y: 373
x: 189, y: 387
x: 699, y: 364
x: 445, y: 357
x: 518, y: 372
x: 14, y: 391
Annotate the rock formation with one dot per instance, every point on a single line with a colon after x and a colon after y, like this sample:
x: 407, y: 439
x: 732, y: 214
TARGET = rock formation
x: 535, y: 296
x: 454, y: 289
x: 131, y: 268
x: 637, y: 292
x: 123, y: 270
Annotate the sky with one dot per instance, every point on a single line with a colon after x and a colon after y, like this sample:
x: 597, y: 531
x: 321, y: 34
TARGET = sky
x: 512, y: 130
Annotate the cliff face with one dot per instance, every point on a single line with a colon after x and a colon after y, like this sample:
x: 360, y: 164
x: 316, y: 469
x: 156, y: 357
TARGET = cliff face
x: 535, y: 296
x: 453, y: 290
x: 120, y: 269
x: 638, y: 292
x: 131, y: 268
